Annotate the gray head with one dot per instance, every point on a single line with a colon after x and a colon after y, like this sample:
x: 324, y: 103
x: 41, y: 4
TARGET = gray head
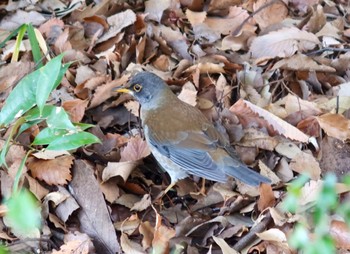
x: 145, y: 87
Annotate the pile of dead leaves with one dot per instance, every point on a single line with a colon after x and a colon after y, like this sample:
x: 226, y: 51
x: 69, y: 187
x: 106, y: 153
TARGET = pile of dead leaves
x: 274, y: 73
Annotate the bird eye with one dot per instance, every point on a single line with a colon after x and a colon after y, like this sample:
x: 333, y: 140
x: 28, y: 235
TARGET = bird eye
x: 137, y: 88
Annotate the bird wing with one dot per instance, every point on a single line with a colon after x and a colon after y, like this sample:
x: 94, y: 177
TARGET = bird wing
x: 192, y: 151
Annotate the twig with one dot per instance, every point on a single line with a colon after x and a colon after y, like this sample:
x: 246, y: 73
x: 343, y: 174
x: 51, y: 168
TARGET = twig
x: 239, y: 28
x: 250, y: 237
x: 327, y: 49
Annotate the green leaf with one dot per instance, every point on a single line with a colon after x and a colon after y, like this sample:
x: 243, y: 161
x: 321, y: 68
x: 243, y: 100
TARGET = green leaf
x: 34, y: 114
x: 33, y: 117
x: 48, y: 76
x: 20, y: 100
x: 83, y: 126
x: 28, y: 93
x: 290, y: 204
x: 20, y: 172
x: 73, y: 141
x: 34, y: 45
x: 4, y: 250
x: 19, y: 40
x: 6, y: 146
x: 59, y: 119
x: 328, y: 199
x: 13, y: 33
x: 23, y: 212
x: 48, y: 135
x: 61, y: 73
x: 300, y: 237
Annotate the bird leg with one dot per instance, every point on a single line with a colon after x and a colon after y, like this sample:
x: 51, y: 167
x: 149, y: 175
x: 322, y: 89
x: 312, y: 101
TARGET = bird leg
x: 162, y: 193
x: 202, y: 190
x: 171, y: 185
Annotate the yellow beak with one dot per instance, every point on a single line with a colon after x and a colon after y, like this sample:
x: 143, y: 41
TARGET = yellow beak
x: 122, y: 90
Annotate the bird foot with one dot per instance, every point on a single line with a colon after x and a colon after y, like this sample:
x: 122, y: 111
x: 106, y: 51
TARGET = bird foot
x: 162, y: 193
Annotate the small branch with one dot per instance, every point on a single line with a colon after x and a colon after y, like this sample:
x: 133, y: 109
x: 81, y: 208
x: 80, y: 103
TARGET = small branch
x: 251, y: 236
x: 327, y: 49
x: 239, y: 28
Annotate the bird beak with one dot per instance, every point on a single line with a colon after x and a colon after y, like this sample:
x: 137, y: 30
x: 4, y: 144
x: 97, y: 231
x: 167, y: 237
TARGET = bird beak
x: 122, y: 90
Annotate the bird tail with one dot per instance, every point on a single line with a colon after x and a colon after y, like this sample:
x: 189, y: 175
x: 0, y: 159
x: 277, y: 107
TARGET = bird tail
x: 246, y: 175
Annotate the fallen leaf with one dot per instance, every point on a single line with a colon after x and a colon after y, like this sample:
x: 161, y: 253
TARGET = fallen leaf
x: 243, y: 109
x: 136, y: 149
x: 283, y: 43
x: 339, y: 231
x: 225, y: 248
x: 162, y: 235
x: 93, y: 214
x: 54, y: 171
x: 335, y: 125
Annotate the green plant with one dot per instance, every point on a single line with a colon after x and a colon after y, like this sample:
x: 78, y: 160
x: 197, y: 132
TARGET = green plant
x: 312, y: 235
x: 25, y: 107
x: 20, y: 32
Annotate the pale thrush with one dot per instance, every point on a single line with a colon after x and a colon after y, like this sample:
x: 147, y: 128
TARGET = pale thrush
x: 181, y: 138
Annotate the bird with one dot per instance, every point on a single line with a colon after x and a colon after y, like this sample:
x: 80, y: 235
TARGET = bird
x: 182, y: 140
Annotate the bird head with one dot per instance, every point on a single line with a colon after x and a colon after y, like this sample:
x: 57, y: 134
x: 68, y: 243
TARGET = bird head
x: 145, y: 87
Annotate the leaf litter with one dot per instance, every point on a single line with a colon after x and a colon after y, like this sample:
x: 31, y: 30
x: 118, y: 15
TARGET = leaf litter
x: 272, y: 75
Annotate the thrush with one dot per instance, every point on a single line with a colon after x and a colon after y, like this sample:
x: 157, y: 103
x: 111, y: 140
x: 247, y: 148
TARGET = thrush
x: 181, y: 138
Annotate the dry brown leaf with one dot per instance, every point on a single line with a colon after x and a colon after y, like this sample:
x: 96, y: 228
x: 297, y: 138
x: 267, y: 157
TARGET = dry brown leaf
x: 36, y: 188
x: 19, y: 17
x: 130, y: 247
x: 267, y: 198
x: 258, y: 139
x: 211, y: 28
x: 74, y: 246
x: 303, y: 5
x: 273, y: 234
x: 244, y: 109
x: 271, y: 14
x: 147, y: 231
x: 162, y: 235
x: 310, y: 126
x: 317, y: 20
x: 53, y: 172
x: 266, y: 171
x: 62, y: 42
x: 65, y: 209
x: 136, y: 149
x: 283, y: 43
x: 188, y: 94
x: 156, y: 8
x: 300, y: 62
x: 133, y: 107
x: 76, y: 243
x: 75, y: 109
x: 207, y: 68
x: 143, y: 204
x: 104, y: 92
x: 306, y: 163
x: 173, y: 38
x: 121, y: 169
x: 196, y: 18
x: 237, y: 42
x: 84, y: 73
x: 49, y: 154
x: 283, y: 171
x: 225, y: 248
x: 128, y: 226
x: 93, y: 215
x: 335, y: 125
x: 117, y: 22
x: 340, y: 232
x: 51, y: 28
